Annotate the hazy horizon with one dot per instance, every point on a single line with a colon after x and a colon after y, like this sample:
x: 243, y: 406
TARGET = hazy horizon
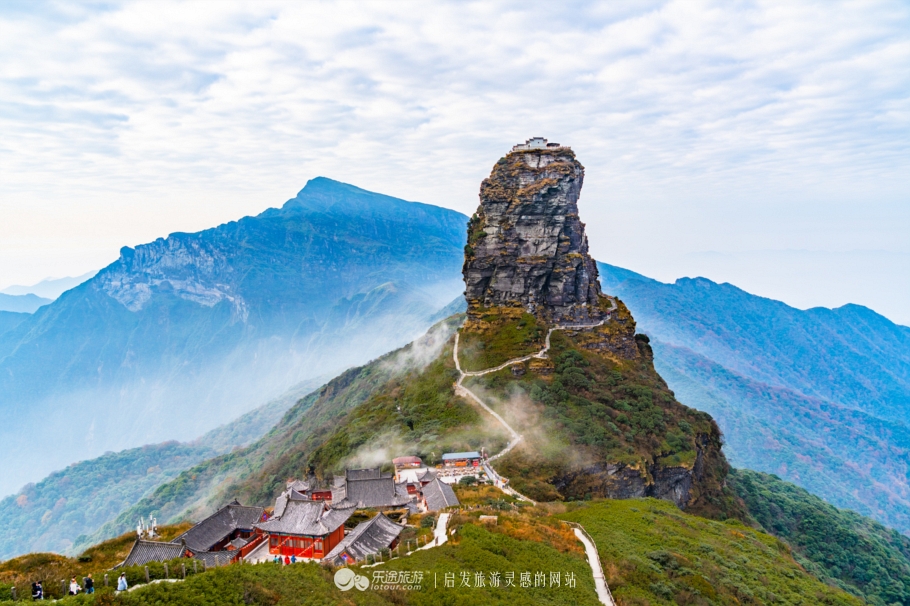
x: 763, y: 145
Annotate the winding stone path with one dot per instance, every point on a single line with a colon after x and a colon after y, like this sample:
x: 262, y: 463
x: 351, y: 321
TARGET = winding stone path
x: 600, y: 583
x: 466, y: 393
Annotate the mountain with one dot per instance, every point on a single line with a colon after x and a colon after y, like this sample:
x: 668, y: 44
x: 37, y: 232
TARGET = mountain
x: 10, y: 320
x: 818, y: 397
x: 22, y: 303
x: 596, y: 418
x: 50, y: 288
x: 190, y: 331
x: 839, y: 547
x: 579, y: 414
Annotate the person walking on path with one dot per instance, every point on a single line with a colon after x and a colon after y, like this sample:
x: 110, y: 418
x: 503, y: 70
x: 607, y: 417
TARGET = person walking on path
x: 74, y: 587
x: 287, y: 561
x: 37, y: 591
x: 89, y: 584
x: 294, y: 559
x: 121, y: 582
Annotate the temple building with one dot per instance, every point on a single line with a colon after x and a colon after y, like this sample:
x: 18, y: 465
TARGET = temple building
x: 306, y: 529
x: 369, y: 538
x: 369, y: 489
x: 462, y: 459
x: 219, y: 539
x: 221, y: 530
x: 437, y: 495
x: 415, y: 479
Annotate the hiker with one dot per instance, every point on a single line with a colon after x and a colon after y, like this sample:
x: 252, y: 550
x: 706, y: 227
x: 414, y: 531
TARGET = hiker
x: 37, y: 591
x: 121, y: 582
x: 293, y: 559
x: 89, y: 584
x: 287, y: 561
x: 74, y: 586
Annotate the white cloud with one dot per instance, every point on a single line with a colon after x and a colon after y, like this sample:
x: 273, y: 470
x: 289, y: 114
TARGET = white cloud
x: 703, y: 126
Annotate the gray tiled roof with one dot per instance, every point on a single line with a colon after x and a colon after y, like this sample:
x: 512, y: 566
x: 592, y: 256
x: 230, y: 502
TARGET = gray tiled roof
x: 376, y: 492
x: 428, y: 476
x: 369, y: 537
x: 215, y: 528
x: 280, y: 504
x: 339, y: 493
x: 298, y: 485
x: 215, y: 558
x: 144, y: 552
x: 439, y: 495
x: 307, y: 518
x: 363, y: 474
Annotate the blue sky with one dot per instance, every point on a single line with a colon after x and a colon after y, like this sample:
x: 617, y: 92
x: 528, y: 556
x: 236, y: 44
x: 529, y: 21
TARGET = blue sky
x: 765, y: 144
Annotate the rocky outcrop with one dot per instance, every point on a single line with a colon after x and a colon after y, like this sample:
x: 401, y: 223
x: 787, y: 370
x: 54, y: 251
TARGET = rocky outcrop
x: 185, y: 265
x: 526, y: 244
x: 620, y: 481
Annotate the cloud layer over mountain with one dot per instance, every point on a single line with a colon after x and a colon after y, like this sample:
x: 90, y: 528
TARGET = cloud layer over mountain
x: 712, y: 127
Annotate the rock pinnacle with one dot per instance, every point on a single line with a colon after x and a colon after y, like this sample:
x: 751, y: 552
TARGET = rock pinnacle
x: 526, y: 244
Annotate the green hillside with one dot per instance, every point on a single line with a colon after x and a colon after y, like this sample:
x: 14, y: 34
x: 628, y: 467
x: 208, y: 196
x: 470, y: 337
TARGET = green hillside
x: 255, y: 474
x: 655, y: 554
x: 818, y: 397
x: 840, y: 547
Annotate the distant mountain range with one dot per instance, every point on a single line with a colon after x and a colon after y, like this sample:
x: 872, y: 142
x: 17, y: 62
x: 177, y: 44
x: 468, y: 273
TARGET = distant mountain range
x: 819, y: 397
x: 190, y: 331
x: 60, y: 510
x: 186, y: 333
x: 50, y: 288
x: 22, y: 303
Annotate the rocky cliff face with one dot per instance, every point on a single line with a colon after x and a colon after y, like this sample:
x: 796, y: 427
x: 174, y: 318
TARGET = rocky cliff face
x: 526, y: 244
x: 186, y: 265
x: 620, y: 431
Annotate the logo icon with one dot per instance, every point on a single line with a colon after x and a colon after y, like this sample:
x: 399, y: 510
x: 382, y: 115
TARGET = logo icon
x: 346, y: 579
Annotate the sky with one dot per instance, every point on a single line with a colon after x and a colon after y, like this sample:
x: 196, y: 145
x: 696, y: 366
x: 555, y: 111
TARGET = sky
x: 763, y: 144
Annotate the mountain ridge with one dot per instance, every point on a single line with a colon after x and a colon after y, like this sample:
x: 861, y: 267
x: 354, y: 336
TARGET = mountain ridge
x: 225, y: 318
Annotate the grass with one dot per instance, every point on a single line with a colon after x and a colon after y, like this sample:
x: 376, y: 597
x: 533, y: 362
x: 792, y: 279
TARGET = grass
x: 51, y: 568
x: 498, y: 334
x: 653, y: 554
x: 841, y: 547
x: 590, y: 410
x: 520, y: 544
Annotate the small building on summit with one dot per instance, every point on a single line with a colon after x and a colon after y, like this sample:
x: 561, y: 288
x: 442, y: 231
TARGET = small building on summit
x: 306, y: 529
x: 368, y: 538
x: 535, y: 143
x: 462, y: 459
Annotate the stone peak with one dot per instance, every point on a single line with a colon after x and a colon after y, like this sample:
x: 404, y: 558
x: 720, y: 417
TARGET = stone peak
x: 526, y: 243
